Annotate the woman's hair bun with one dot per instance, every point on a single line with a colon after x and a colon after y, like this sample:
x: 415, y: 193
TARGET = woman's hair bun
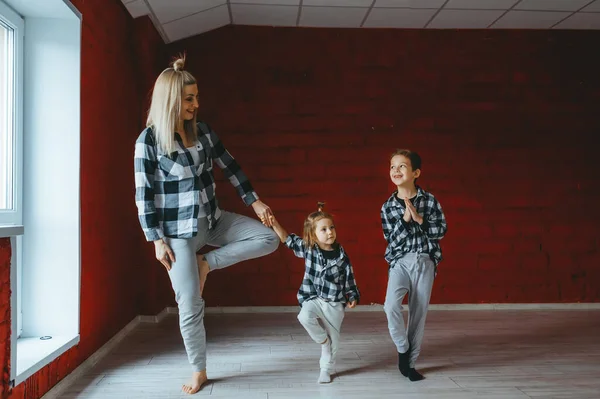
x: 178, y: 64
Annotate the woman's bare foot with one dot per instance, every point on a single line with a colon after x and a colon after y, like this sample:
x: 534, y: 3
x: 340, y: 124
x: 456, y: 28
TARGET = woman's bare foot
x: 198, y: 378
x: 203, y: 270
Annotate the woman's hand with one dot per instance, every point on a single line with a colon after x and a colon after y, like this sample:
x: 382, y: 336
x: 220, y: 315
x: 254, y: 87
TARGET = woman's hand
x: 263, y: 212
x: 352, y: 304
x: 164, y: 254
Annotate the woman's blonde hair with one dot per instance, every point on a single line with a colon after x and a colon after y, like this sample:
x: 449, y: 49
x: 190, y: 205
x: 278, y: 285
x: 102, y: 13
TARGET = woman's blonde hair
x: 165, y: 106
x: 310, y: 224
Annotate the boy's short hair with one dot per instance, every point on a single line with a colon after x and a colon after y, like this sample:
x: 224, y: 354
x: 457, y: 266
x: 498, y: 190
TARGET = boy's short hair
x: 415, y: 159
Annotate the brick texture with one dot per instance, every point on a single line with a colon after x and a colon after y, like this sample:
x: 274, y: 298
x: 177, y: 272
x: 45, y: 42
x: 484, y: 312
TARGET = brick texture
x: 506, y: 123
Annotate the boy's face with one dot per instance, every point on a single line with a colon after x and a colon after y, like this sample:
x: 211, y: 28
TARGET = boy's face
x: 401, y: 171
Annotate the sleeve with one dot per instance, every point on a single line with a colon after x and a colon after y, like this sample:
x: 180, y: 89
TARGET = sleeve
x: 434, y: 225
x: 350, y: 288
x: 145, y: 164
x: 230, y: 167
x: 297, y: 245
x: 394, y: 233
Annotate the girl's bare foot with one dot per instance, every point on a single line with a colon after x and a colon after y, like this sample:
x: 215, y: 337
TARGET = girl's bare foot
x: 198, y: 378
x: 203, y: 270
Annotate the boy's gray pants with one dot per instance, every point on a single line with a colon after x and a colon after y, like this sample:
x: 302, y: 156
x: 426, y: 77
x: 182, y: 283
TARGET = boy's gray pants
x: 413, y: 274
x: 238, y: 238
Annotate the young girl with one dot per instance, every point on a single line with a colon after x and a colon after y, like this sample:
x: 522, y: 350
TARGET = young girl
x: 327, y: 285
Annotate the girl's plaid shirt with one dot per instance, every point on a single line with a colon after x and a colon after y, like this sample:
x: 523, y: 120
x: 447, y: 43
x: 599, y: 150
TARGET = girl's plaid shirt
x: 329, y: 279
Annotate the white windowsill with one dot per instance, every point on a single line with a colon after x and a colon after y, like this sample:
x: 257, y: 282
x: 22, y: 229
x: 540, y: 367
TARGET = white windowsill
x: 10, y: 230
x: 33, y: 353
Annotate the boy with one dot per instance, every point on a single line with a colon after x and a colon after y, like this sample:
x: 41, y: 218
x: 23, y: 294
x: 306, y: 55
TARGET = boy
x: 413, y: 223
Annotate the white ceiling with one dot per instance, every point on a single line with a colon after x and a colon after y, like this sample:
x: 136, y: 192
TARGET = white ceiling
x: 178, y: 19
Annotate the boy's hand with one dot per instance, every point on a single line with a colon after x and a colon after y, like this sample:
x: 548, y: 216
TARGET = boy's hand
x: 412, y: 211
x: 407, y: 215
x: 352, y: 304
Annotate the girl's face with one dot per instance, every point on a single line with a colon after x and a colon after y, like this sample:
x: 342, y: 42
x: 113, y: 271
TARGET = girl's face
x: 325, y: 232
x: 189, y: 102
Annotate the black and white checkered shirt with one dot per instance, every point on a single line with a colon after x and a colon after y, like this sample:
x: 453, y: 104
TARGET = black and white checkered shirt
x: 409, y: 237
x: 329, y: 279
x: 171, y: 191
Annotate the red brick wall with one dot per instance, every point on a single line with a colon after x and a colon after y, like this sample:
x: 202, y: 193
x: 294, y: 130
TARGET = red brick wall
x: 5, y: 254
x: 118, y: 55
x: 506, y: 123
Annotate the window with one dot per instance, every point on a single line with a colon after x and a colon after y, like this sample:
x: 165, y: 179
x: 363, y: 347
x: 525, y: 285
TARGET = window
x: 6, y: 136
x: 39, y: 208
x: 11, y: 32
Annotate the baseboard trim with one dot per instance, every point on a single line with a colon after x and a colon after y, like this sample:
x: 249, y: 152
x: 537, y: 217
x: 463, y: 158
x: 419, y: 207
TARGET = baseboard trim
x: 433, y: 307
x: 159, y: 317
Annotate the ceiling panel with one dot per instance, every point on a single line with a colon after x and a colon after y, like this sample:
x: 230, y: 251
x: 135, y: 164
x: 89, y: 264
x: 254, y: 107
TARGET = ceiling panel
x: 176, y: 19
x: 581, y: 21
x: 551, y: 5
x: 465, y: 19
x: 269, y: 15
x: 409, y: 3
x: 481, y: 4
x: 530, y: 19
x: 197, y: 23
x: 398, y: 18
x: 337, y: 17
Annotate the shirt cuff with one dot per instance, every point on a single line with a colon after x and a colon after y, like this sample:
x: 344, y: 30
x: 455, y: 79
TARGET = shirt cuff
x: 154, y: 234
x: 289, y: 242
x: 250, y: 198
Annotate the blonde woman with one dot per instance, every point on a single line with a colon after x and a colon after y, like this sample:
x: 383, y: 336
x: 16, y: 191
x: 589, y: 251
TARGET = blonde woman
x: 178, y: 209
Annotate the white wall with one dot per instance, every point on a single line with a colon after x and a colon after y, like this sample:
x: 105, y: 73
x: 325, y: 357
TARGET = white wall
x: 51, y: 242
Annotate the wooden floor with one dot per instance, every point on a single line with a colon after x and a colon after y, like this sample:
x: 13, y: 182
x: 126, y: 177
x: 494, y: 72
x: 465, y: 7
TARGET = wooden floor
x: 466, y: 354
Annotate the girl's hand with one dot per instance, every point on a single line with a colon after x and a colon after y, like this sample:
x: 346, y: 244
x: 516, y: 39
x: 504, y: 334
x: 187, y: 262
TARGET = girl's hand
x: 352, y: 304
x: 164, y: 254
x: 263, y: 212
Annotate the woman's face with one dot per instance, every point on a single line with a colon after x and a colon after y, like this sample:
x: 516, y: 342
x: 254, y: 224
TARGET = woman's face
x: 189, y: 103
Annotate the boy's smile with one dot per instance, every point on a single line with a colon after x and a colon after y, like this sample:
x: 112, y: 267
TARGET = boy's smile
x: 401, y: 171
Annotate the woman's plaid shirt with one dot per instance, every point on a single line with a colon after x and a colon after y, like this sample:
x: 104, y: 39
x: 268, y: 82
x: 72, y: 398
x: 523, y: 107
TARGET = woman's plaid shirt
x: 170, y: 190
x: 405, y: 237
x: 329, y: 279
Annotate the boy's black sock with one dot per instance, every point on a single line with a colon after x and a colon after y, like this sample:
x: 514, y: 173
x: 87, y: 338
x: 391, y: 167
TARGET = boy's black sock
x: 414, y: 375
x: 403, y: 360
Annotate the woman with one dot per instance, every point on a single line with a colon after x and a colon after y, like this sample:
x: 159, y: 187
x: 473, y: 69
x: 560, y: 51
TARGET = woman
x: 178, y: 209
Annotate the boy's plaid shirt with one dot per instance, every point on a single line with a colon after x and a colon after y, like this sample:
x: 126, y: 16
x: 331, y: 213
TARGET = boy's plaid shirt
x: 405, y: 237
x: 170, y: 189
x: 330, y: 279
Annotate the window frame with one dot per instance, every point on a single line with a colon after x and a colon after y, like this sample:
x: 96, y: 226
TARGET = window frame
x: 11, y: 221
